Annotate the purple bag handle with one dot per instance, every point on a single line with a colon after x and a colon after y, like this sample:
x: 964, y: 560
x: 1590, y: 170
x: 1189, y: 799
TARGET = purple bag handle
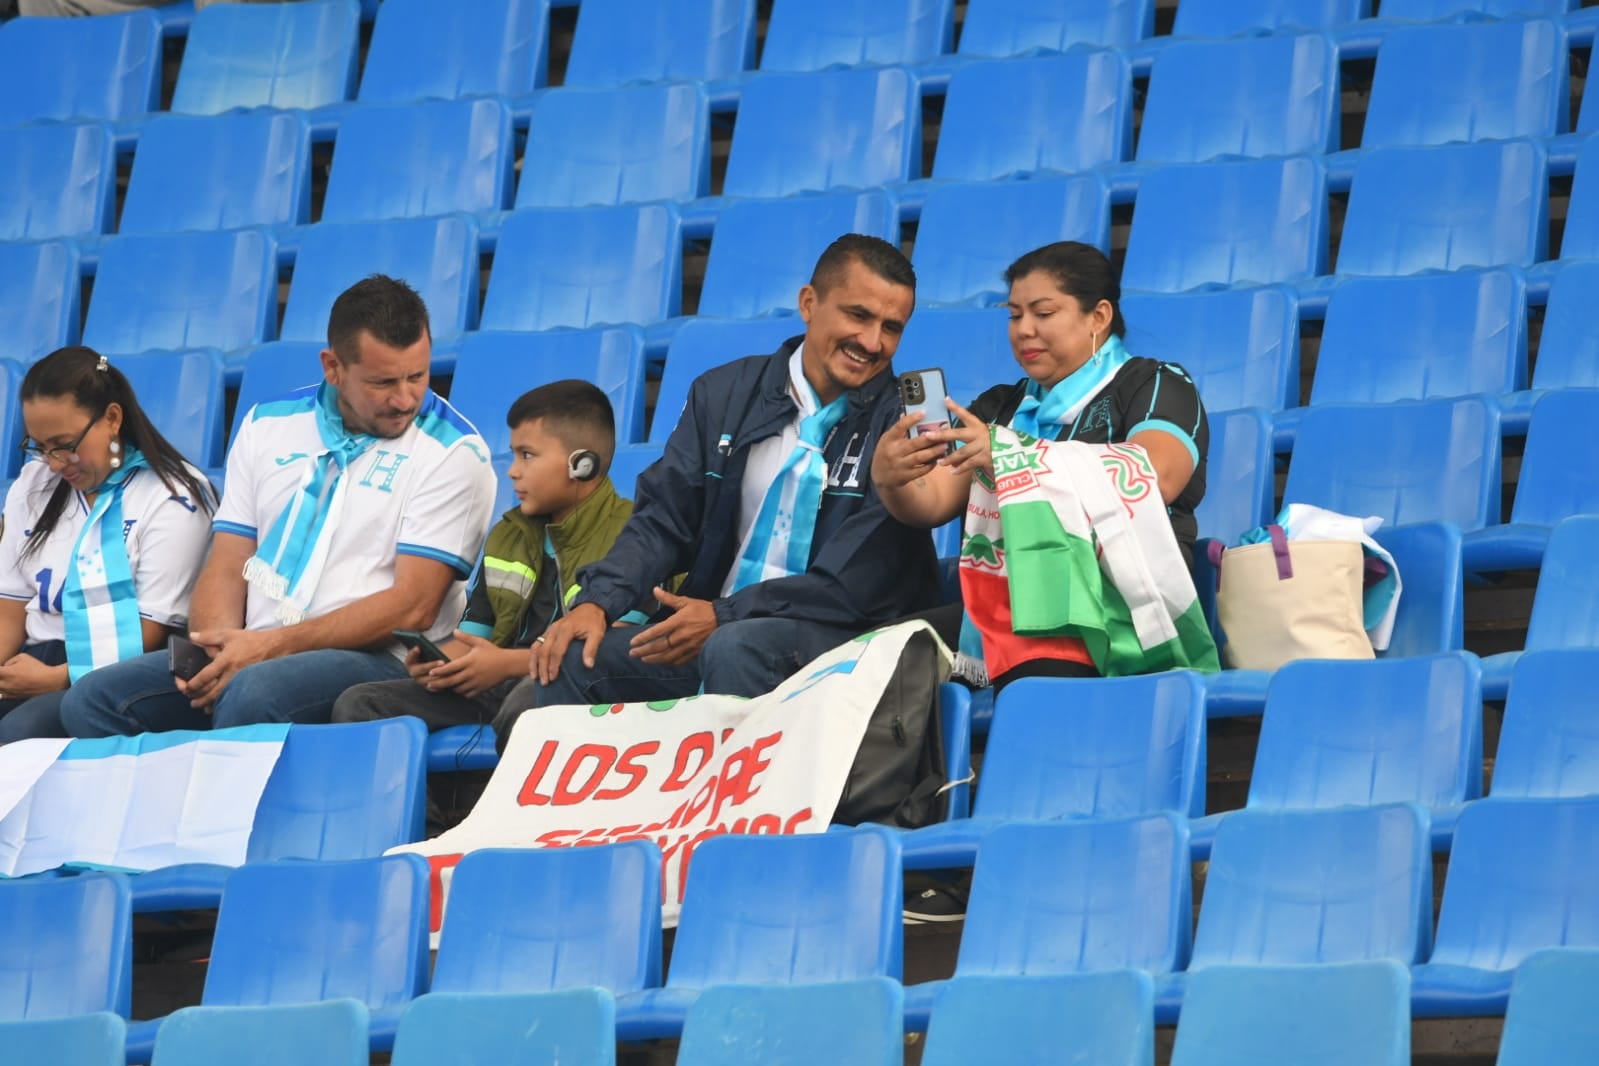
x: 1279, y: 549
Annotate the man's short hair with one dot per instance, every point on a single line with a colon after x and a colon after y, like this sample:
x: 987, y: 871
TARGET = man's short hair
x: 387, y: 308
x: 874, y: 253
x: 574, y: 412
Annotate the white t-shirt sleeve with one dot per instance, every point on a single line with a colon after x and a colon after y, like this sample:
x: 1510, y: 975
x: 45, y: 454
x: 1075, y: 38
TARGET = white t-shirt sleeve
x: 14, y: 585
x: 448, y: 513
x: 237, y: 512
x: 172, y: 540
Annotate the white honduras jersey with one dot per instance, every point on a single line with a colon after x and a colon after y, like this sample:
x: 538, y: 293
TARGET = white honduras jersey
x: 428, y: 492
x: 166, y: 535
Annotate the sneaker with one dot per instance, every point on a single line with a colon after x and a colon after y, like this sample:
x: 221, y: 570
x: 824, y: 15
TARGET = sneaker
x: 941, y: 903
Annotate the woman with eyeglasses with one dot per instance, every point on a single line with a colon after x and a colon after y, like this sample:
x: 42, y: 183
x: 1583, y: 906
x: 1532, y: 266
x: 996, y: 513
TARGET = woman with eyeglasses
x: 102, y: 536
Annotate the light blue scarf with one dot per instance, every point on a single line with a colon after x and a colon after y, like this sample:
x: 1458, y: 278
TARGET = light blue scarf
x: 288, y: 562
x: 1071, y: 394
x: 100, y: 605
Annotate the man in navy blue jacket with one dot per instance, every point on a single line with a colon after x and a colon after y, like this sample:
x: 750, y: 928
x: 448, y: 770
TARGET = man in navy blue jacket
x: 764, y: 500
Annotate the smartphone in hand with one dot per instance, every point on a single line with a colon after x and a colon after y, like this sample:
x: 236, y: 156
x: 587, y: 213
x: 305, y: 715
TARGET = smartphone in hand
x: 923, y: 390
x: 186, y: 658
x: 420, y: 644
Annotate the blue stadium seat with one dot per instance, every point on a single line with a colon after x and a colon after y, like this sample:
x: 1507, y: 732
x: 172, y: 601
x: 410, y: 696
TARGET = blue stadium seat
x: 184, y: 397
x: 618, y: 42
x: 1003, y: 119
x: 1257, y: 221
x: 971, y: 231
x: 493, y: 369
x: 1549, y: 1017
x: 704, y: 343
x: 763, y: 251
x: 1460, y: 205
x: 586, y: 266
x: 544, y: 919
x: 40, y: 298
x: 274, y: 369
x: 331, y: 1033
x: 219, y: 172
x: 575, y: 1027
x: 184, y: 290
x: 269, y: 55
x: 630, y: 461
x: 1241, y: 346
x: 65, y: 946
x: 1568, y: 350
x: 1433, y: 10
x: 1070, y: 897
x: 1239, y: 475
x: 1129, y: 746
x: 1477, y: 81
x: 105, y: 68
x: 1002, y: 28
x: 1580, y: 239
x: 1565, y: 609
x: 1256, y: 97
x: 596, y: 147
x: 1521, y: 876
x: 811, y: 132
x: 10, y: 417
x: 437, y: 256
x: 839, y: 893
x: 1352, y: 1014
x: 1547, y: 743
x: 970, y: 344
x: 60, y: 181
x: 411, y: 160
x: 731, y: 1025
x: 422, y: 50
x: 803, y: 35
x: 1105, y: 1018
x: 1227, y: 18
x: 82, y: 1040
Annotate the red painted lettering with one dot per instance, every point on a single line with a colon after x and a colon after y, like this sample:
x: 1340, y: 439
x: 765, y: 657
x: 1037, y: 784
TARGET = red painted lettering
x: 628, y: 764
x: 701, y: 744
x: 530, y: 796
x: 604, y: 757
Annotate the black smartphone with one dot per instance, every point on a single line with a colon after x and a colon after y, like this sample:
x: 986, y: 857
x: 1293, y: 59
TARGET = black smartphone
x: 923, y: 390
x: 421, y: 644
x: 186, y: 658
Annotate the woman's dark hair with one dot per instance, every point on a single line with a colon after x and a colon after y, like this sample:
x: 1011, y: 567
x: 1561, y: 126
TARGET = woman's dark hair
x: 1081, y: 271
x: 75, y: 373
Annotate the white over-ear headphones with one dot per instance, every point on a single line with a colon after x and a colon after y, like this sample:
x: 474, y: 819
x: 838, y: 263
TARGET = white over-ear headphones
x: 583, y: 465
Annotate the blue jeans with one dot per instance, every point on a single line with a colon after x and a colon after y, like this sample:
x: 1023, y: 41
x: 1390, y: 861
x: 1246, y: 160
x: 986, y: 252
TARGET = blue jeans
x: 139, y: 696
x: 41, y: 715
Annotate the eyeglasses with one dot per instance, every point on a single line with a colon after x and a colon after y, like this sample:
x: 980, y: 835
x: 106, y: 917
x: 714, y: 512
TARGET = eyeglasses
x: 66, y: 453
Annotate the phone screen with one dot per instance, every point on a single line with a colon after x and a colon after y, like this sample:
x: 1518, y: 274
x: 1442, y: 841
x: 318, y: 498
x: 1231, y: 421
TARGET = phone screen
x: 429, y: 651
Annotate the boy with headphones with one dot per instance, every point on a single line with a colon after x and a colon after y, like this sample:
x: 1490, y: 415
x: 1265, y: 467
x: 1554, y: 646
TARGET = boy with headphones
x: 568, y: 514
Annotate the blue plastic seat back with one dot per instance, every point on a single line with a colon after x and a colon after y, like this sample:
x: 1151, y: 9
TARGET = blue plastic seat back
x: 11, y: 427
x: 1004, y: 118
x: 970, y: 344
x: 423, y: 50
x: 1107, y: 1018
x: 65, y: 946
x: 493, y: 369
x: 1015, y: 27
x: 1102, y: 747
x: 274, y: 369
x: 184, y: 290
x: 183, y: 395
x: 731, y: 1025
x: 575, y: 1027
x: 551, y: 918
x: 269, y: 55
x: 331, y: 1033
x: 811, y: 132
x: 219, y: 172
x: 1239, y: 474
x: 415, y: 160
x: 806, y: 35
x: 1550, y: 1016
x: 1471, y: 82
x: 1580, y: 239
x: 1434, y: 10
x: 1442, y: 335
x: 303, y: 932
x: 1565, y: 609
x: 1548, y: 746
x: 1521, y: 877
x: 1241, y: 346
x: 622, y: 41
x: 764, y: 251
x: 791, y: 909
x: 629, y: 462
x: 1317, y: 886
x: 1445, y: 208
x: 586, y: 266
x: 1410, y: 461
x: 1552, y: 487
x: 107, y: 67
x: 1255, y: 97
x: 1226, y: 18
x: 1432, y: 612
x: 1353, y: 1014
x: 1080, y: 895
x: 971, y: 231
x: 40, y: 298
x: 60, y: 181
x: 705, y: 343
x: 344, y: 791
x: 1568, y: 350
x: 436, y: 256
x: 1258, y: 221
x: 96, y: 1039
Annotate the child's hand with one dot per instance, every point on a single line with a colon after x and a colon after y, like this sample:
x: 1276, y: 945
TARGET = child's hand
x: 475, y: 667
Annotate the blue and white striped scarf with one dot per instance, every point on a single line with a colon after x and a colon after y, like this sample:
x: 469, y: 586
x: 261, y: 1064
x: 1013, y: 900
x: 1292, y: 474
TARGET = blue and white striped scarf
x: 100, y: 605
x: 1071, y: 394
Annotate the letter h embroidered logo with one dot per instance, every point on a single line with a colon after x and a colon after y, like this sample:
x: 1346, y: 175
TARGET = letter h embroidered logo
x: 381, y: 465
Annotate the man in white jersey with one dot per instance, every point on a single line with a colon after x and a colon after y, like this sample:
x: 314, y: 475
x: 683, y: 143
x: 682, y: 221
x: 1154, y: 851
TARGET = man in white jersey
x: 350, y: 509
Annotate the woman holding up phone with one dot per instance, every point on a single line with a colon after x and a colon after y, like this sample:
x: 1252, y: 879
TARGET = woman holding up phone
x: 102, y: 536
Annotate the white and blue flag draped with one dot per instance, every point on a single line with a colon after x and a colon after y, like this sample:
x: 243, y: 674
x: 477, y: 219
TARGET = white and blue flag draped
x: 100, y: 605
x: 134, y: 803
